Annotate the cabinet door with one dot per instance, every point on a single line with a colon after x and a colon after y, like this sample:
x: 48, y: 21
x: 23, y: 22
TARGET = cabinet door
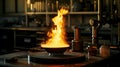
x: 13, y: 6
x: 25, y: 39
x: 25, y: 42
x: 9, y: 6
x: 6, y: 40
x: 20, y: 6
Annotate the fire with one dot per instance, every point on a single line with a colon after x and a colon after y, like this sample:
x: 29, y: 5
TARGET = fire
x: 57, y: 34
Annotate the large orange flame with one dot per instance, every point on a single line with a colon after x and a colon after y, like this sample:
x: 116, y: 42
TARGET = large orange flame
x: 57, y: 34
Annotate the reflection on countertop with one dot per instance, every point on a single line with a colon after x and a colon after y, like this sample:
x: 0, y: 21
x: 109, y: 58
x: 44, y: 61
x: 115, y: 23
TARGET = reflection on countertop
x: 22, y: 59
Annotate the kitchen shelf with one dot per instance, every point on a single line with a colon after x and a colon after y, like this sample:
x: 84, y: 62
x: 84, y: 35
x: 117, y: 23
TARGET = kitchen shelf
x: 51, y: 9
x: 42, y: 13
x: 30, y: 13
x: 85, y: 12
x: 29, y: 8
x: 13, y: 14
x: 51, y: 13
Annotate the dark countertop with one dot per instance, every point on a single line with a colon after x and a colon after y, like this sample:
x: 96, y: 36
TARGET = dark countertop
x: 20, y: 59
x: 23, y: 62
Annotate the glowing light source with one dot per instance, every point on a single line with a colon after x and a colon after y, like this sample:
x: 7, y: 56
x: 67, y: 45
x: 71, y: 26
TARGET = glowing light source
x: 56, y: 35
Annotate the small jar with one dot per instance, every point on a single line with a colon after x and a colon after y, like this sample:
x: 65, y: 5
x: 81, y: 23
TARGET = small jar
x: 104, y: 51
x: 92, y: 51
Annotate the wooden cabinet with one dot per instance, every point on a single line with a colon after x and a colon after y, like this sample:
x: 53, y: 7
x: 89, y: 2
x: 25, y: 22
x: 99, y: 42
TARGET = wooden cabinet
x: 20, y: 6
x: 24, y: 39
x: 12, y: 7
x: 21, y: 38
x: 6, y: 40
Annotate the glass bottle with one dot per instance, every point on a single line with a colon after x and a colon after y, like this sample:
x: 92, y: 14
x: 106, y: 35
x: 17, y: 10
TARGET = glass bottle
x: 49, y: 6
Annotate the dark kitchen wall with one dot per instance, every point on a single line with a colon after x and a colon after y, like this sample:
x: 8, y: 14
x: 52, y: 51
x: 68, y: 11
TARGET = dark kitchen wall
x: 18, y: 6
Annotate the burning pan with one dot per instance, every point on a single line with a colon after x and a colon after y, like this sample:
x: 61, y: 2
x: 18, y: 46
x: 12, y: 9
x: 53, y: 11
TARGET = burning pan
x: 56, y: 51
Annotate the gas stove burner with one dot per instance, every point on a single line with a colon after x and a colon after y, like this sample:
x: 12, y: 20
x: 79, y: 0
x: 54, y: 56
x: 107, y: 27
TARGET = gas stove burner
x: 66, y: 57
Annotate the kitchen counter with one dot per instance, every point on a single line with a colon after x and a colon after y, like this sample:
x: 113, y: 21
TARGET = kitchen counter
x: 69, y: 30
x: 21, y: 59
